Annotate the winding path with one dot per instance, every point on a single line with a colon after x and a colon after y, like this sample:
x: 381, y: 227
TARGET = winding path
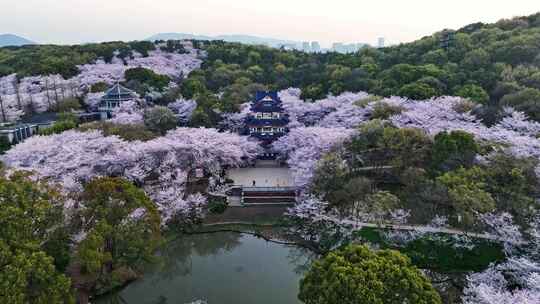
x: 418, y: 228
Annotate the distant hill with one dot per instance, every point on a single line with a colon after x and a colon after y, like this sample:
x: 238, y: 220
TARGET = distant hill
x: 13, y: 40
x: 246, y: 39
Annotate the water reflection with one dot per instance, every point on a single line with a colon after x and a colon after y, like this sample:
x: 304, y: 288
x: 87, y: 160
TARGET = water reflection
x: 176, y: 256
x: 222, y: 267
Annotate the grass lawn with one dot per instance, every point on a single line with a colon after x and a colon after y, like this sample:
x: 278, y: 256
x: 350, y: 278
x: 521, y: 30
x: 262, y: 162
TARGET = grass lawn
x: 437, y: 252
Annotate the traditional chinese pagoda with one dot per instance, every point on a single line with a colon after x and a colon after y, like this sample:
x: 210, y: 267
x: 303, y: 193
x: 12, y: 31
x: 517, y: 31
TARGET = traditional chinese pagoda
x: 113, y: 98
x: 267, y: 120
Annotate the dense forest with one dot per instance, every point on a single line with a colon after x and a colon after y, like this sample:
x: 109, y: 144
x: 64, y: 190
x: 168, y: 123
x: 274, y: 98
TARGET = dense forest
x: 33, y: 60
x: 494, y: 65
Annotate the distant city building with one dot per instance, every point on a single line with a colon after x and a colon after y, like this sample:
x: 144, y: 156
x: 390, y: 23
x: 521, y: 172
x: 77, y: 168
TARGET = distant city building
x: 338, y: 47
x: 380, y: 42
x: 315, y: 47
x: 113, y: 98
x: 348, y: 48
x: 288, y: 46
x: 306, y: 46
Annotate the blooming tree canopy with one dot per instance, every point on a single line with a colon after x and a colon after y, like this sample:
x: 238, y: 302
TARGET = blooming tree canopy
x: 161, y: 166
x: 183, y: 109
x: 304, y: 146
x: 129, y: 112
x: 37, y: 94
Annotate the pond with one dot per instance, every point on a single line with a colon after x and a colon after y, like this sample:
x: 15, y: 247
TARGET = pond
x: 221, y: 267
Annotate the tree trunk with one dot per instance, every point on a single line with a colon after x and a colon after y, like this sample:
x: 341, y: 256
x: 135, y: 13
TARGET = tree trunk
x: 83, y: 295
x: 4, y: 119
x: 18, y: 94
x: 55, y: 91
x: 47, y: 91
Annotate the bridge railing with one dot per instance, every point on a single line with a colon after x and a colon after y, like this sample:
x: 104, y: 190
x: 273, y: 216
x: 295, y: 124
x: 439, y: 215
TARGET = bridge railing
x: 269, y: 189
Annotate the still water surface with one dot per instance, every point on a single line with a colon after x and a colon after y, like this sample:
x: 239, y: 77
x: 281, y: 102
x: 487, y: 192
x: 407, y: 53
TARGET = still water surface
x: 220, y: 268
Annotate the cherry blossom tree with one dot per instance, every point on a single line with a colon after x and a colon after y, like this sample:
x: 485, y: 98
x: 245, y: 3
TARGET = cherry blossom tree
x: 10, y: 109
x: 161, y: 166
x: 503, y: 227
x: 304, y: 146
x: 92, y: 100
x: 100, y: 71
x: 342, y: 109
x: 171, y: 64
x: 183, y: 109
x: 313, y: 221
x: 128, y: 113
x: 514, y: 281
x: 519, y: 122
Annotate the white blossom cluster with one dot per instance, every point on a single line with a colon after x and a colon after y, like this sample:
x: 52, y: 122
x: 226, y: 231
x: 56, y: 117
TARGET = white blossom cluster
x: 183, y: 109
x: 37, y: 94
x: 162, y: 166
x: 514, y: 281
x: 304, y: 146
x: 129, y: 112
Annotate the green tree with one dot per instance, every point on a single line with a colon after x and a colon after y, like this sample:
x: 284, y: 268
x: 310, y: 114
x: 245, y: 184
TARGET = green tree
x: 31, y: 215
x: 474, y: 93
x: 357, y: 274
x: 330, y: 176
x: 380, y: 203
x: 527, y: 100
x: 129, y: 132
x: 379, y: 144
x: 99, y: 87
x: 67, y: 105
x: 123, y: 230
x: 160, y: 119
x: 66, y: 121
x: 192, y: 87
x: 467, y: 191
x: 453, y: 150
x: 141, y: 79
x: 383, y: 110
x: 418, y: 91
x: 513, y: 184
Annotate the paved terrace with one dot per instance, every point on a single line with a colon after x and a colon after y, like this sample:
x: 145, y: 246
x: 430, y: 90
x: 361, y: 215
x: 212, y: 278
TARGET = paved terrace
x: 261, y: 177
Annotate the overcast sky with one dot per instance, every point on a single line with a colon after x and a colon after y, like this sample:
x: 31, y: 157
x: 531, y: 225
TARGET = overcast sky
x: 75, y: 21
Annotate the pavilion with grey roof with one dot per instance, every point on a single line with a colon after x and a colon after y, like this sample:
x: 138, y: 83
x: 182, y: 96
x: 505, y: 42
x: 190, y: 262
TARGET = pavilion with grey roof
x: 113, y: 98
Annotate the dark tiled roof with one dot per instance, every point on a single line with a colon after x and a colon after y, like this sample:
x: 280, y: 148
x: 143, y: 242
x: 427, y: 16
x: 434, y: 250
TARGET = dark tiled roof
x: 266, y: 102
x: 118, y: 92
x: 260, y: 95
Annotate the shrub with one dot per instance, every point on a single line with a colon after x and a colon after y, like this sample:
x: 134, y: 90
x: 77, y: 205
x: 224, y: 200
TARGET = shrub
x: 474, y: 93
x: 67, y: 105
x: 66, y: 121
x: 160, y: 119
x: 217, y: 205
x: 99, y: 87
x: 126, y: 132
x: 383, y: 110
